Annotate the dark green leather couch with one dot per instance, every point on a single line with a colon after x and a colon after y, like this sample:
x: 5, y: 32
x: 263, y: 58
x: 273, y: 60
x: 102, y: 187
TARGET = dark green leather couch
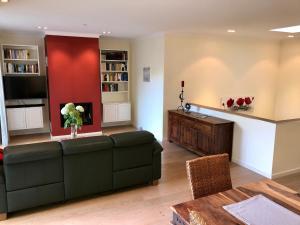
x: 39, y: 174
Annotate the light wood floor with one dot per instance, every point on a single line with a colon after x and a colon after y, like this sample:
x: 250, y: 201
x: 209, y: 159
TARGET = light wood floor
x: 136, y: 206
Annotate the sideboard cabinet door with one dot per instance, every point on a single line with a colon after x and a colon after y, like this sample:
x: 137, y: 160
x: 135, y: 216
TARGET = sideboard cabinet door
x: 16, y: 118
x: 188, y: 134
x: 174, y: 129
x: 34, y: 117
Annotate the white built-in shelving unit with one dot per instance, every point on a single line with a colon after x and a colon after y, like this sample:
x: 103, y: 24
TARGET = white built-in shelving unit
x: 115, y: 81
x: 21, y: 61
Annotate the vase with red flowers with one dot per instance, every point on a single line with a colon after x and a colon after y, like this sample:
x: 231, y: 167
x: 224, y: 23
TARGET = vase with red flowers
x: 239, y: 104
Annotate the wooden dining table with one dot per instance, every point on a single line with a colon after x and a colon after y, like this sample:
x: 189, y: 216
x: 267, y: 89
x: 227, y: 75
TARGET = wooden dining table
x: 210, y: 208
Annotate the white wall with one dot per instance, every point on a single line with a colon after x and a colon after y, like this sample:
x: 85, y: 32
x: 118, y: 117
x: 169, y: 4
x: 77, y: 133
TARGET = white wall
x: 287, y: 154
x: 288, y: 88
x: 216, y: 67
x: 147, y: 97
x: 253, y: 141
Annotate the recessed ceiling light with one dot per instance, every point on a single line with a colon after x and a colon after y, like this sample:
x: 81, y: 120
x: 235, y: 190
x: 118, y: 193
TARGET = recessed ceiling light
x: 108, y: 32
x: 293, y: 29
x: 39, y: 27
x: 291, y: 36
x: 4, y: 1
x: 45, y: 28
x: 231, y: 31
x: 104, y: 32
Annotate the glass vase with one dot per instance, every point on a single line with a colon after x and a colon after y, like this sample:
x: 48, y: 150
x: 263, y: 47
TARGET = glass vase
x: 73, y: 131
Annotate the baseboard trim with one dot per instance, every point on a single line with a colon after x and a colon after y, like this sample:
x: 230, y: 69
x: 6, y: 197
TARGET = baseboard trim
x: 285, y: 173
x: 61, y: 137
x: 116, y: 124
x: 250, y: 167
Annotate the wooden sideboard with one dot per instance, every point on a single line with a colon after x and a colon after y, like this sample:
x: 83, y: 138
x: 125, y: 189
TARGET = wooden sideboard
x: 202, y: 135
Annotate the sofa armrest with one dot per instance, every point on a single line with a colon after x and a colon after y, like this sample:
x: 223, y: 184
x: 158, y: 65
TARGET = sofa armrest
x: 157, y: 147
x: 157, y: 160
x: 3, y: 200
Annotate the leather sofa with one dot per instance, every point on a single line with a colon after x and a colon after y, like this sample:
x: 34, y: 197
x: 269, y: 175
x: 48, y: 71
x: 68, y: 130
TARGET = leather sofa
x: 44, y: 173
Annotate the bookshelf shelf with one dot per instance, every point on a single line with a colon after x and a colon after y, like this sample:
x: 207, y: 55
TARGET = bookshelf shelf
x: 114, y: 71
x: 114, y: 81
x: 114, y: 92
x: 114, y: 61
x: 22, y: 60
x: 21, y: 74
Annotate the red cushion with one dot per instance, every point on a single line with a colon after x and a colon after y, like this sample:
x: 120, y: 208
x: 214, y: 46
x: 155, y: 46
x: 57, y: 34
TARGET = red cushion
x: 1, y: 155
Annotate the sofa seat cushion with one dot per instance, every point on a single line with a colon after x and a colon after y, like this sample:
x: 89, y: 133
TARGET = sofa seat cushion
x: 130, y: 177
x: 132, y: 138
x: 84, y: 145
x: 32, y: 152
x: 132, y: 157
x: 35, y: 196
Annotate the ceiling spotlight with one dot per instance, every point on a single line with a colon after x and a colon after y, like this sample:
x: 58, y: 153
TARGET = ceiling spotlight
x: 108, y: 32
x: 39, y: 27
x: 4, y: 1
x: 231, y: 31
x: 45, y: 28
x: 104, y: 32
x: 291, y: 36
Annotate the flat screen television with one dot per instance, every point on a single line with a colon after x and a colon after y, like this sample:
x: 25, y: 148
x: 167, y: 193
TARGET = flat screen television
x: 29, y: 87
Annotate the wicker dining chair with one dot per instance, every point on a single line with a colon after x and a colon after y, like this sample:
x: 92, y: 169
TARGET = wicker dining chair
x: 209, y: 175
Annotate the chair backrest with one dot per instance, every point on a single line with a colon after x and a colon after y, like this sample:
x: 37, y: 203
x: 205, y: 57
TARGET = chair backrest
x: 209, y: 175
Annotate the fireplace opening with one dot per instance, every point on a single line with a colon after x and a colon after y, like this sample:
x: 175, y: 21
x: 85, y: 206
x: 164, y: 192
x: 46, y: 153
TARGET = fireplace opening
x: 87, y: 115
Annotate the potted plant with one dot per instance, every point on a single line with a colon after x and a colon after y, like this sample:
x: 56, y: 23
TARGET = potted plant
x: 73, y: 118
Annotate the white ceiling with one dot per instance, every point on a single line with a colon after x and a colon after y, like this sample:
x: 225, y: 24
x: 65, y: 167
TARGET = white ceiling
x: 132, y: 18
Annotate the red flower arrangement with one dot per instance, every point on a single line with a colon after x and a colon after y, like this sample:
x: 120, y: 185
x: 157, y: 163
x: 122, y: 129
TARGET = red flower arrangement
x: 239, y: 104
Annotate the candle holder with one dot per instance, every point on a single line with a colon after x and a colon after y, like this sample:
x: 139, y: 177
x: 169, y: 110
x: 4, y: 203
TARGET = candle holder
x: 181, y: 97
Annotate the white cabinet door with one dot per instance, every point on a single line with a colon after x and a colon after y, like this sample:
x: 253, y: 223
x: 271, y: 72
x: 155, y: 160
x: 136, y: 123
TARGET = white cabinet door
x: 109, y: 112
x: 16, y: 118
x: 124, y: 112
x: 34, y: 117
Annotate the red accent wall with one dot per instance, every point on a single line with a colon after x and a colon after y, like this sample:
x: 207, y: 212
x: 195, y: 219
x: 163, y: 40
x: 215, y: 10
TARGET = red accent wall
x: 73, y: 76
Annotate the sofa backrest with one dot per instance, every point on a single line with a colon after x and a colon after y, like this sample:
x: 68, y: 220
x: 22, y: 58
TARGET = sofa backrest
x: 32, y: 165
x: 87, y: 166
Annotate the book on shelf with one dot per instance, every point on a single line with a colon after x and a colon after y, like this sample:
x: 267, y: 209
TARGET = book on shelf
x: 110, y: 87
x: 115, y: 77
x: 16, y: 53
x: 113, y: 67
x: 20, y: 68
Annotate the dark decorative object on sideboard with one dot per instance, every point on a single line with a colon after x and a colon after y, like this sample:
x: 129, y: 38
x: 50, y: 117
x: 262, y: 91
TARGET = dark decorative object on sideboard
x: 187, y: 107
x: 204, y: 135
x: 181, y: 97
